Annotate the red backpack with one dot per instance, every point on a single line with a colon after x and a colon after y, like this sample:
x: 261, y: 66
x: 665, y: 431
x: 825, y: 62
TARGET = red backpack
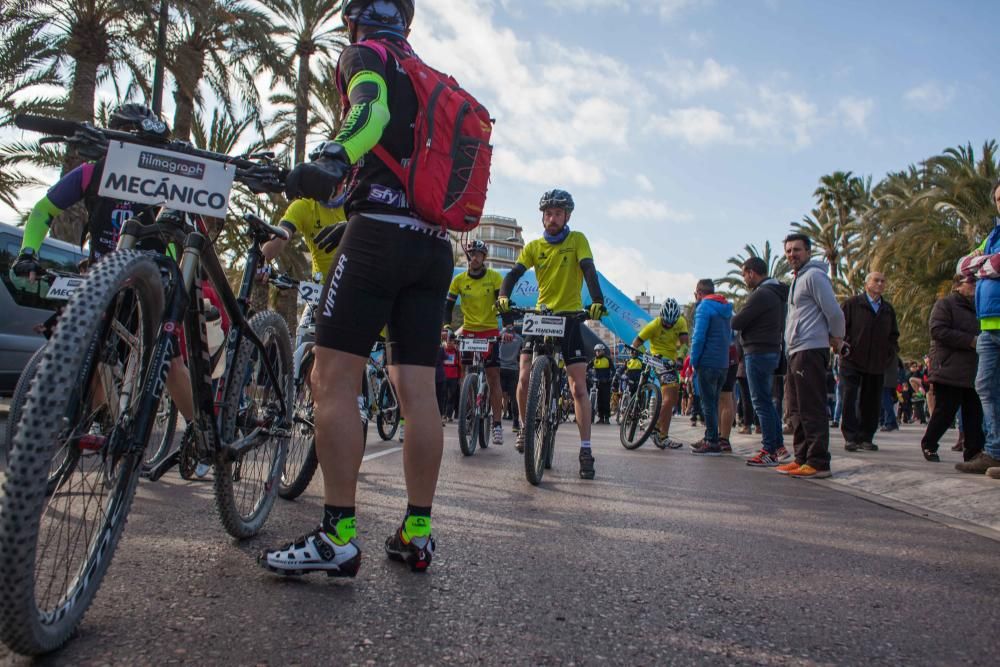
x: 447, y: 175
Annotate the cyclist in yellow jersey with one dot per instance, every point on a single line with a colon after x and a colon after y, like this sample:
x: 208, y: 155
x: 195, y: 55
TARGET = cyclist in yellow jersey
x: 477, y: 290
x: 562, y: 260
x: 667, y: 336
x: 321, y: 224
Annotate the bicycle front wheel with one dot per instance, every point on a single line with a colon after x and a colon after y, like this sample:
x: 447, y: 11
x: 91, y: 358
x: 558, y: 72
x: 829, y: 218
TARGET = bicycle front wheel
x: 640, y: 416
x: 536, y: 423
x: 245, y: 489
x: 20, y: 396
x: 72, y: 474
x: 301, y: 460
x: 468, y: 420
x: 485, y: 418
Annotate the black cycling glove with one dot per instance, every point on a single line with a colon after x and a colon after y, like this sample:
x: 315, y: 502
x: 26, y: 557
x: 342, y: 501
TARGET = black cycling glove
x: 27, y: 263
x: 329, y: 237
x: 318, y: 179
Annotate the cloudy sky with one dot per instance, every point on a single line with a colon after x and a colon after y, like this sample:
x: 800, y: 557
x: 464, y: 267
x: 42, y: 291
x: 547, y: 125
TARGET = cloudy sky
x: 687, y: 128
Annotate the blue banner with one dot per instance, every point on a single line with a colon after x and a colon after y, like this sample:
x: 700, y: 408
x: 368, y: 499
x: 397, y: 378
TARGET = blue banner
x: 624, y: 318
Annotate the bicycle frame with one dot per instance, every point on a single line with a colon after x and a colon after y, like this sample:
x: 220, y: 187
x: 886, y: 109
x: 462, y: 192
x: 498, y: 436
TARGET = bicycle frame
x: 199, y: 256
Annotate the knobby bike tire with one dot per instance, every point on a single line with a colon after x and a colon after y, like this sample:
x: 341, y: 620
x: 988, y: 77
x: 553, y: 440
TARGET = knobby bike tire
x: 29, y: 623
x: 623, y: 402
x: 468, y: 420
x: 301, y: 460
x: 640, y: 417
x: 387, y: 421
x: 20, y: 396
x: 486, y: 418
x: 245, y: 490
x: 536, y: 423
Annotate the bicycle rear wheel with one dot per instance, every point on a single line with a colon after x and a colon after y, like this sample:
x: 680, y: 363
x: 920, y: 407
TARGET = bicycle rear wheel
x: 245, y: 489
x: 301, y: 460
x: 468, y: 420
x: 387, y: 420
x: 59, y: 530
x: 536, y: 422
x: 640, y: 416
x: 162, y: 436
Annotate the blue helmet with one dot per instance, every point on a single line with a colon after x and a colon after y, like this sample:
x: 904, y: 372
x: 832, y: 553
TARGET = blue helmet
x: 394, y: 15
x: 557, y: 199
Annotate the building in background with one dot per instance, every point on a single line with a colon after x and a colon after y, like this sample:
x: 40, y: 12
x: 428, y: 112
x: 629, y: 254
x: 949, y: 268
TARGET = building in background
x: 501, y: 234
x: 648, y: 303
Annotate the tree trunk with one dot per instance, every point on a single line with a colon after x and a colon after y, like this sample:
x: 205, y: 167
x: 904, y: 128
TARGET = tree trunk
x: 190, y: 67
x: 303, y: 86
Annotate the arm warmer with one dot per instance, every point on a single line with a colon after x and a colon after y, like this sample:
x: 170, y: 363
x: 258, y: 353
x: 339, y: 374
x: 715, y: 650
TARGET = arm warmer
x: 449, y: 308
x: 368, y: 117
x: 593, y: 282
x: 511, y: 279
x: 37, y: 226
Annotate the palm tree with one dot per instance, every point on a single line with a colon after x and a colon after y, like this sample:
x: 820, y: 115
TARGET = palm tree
x: 324, y: 117
x: 777, y: 267
x: 223, y: 43
x: 314, y: 30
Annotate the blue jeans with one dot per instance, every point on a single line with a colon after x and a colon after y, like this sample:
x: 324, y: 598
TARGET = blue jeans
x: 889, y: 408
x: 760, y: 375
x: 988, y: 388
x: 710, y: 381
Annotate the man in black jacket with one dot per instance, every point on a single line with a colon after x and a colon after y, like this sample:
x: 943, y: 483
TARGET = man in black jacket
x: 872, y: 338
x: 761, y: 325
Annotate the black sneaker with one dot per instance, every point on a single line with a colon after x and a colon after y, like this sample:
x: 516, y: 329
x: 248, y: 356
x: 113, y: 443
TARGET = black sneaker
x: 417, y: 553
x: 869, y: 446
x: 851, y: 446
x: 586, y: 464
x: 314, y: 552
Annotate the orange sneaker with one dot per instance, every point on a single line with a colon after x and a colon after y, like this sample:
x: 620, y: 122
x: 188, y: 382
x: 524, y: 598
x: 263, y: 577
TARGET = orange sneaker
x: 786, y: 468
x: 808, y: 471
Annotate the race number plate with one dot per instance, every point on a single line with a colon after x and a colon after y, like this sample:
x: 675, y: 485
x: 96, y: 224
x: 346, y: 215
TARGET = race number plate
x: 309, y: 293
x: 62, y: 288
x: 475, y: 345
x: 544, y: 325
x: 655, y: 362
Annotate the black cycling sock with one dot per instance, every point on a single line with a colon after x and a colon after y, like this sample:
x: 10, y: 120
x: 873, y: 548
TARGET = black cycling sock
x: 497, y: 423
x: 339, y: 523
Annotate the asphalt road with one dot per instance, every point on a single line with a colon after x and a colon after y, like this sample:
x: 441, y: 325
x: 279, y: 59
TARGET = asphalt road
x: 665, y: 558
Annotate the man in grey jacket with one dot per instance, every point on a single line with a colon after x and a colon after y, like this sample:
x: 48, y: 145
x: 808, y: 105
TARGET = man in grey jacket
x: 815, y: 323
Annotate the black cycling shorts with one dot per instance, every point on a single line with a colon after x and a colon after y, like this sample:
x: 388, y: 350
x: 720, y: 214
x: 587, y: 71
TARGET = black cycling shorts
x: 386, y: 274
x: 573, y: 349
x: 730, y: 378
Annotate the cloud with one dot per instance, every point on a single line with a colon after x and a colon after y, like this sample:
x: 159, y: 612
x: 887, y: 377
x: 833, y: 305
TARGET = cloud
x: 698, y: 126
x: 855, y: 111
x: 665, y: 9
x: 930, y: 96
x: 644, y: 183
x: 644, y: 208
x: 780, y: 116
x: 685, y: 78
x: 629, y: 270
x: 569, y: 169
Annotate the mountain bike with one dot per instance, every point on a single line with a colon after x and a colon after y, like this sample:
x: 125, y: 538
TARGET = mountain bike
x: 541, y: 417
x: 380, y: 401
x: 97, y: 392
x: 623, y: 400
x: 642, y: 407
x: 593, y: 402
x: 475, y: 407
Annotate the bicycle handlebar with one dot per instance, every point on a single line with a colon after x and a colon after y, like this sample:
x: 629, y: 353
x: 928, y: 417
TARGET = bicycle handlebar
x: 260, y: 175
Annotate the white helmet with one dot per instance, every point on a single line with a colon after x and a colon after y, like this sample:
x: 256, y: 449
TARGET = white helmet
x: 670, y: 312
x: 600, y: 347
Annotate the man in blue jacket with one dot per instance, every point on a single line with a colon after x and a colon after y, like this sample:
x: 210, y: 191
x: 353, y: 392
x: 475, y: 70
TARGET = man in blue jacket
x: 710, y: 359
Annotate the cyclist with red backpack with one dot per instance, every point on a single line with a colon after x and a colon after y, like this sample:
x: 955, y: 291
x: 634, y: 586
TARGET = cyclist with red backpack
x: 409, y: 175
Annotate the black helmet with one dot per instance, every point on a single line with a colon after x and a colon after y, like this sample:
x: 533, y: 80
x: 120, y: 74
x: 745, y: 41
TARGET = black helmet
x: 557, y: 199
x: 477, y: 246
x: 386, y: 14
x: 138, y: 118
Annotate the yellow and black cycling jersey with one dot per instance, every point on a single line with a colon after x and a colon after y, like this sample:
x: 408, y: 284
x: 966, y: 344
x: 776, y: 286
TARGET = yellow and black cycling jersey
x: 557, y: 268
x: 664, y: 342
x: 477, y: 297
x: 309, y: 218
x: 633, y: 364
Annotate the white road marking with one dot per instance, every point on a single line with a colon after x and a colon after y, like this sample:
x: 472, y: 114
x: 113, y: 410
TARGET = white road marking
x: 369, y: 457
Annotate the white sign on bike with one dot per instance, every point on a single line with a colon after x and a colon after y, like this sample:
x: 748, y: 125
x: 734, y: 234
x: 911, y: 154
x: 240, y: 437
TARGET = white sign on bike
x: 475, y: 345
x: 543, y: 325
x: 655, y: 362
x: 161, y: 177
x: 62, y: 288
x: 309, y: 293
